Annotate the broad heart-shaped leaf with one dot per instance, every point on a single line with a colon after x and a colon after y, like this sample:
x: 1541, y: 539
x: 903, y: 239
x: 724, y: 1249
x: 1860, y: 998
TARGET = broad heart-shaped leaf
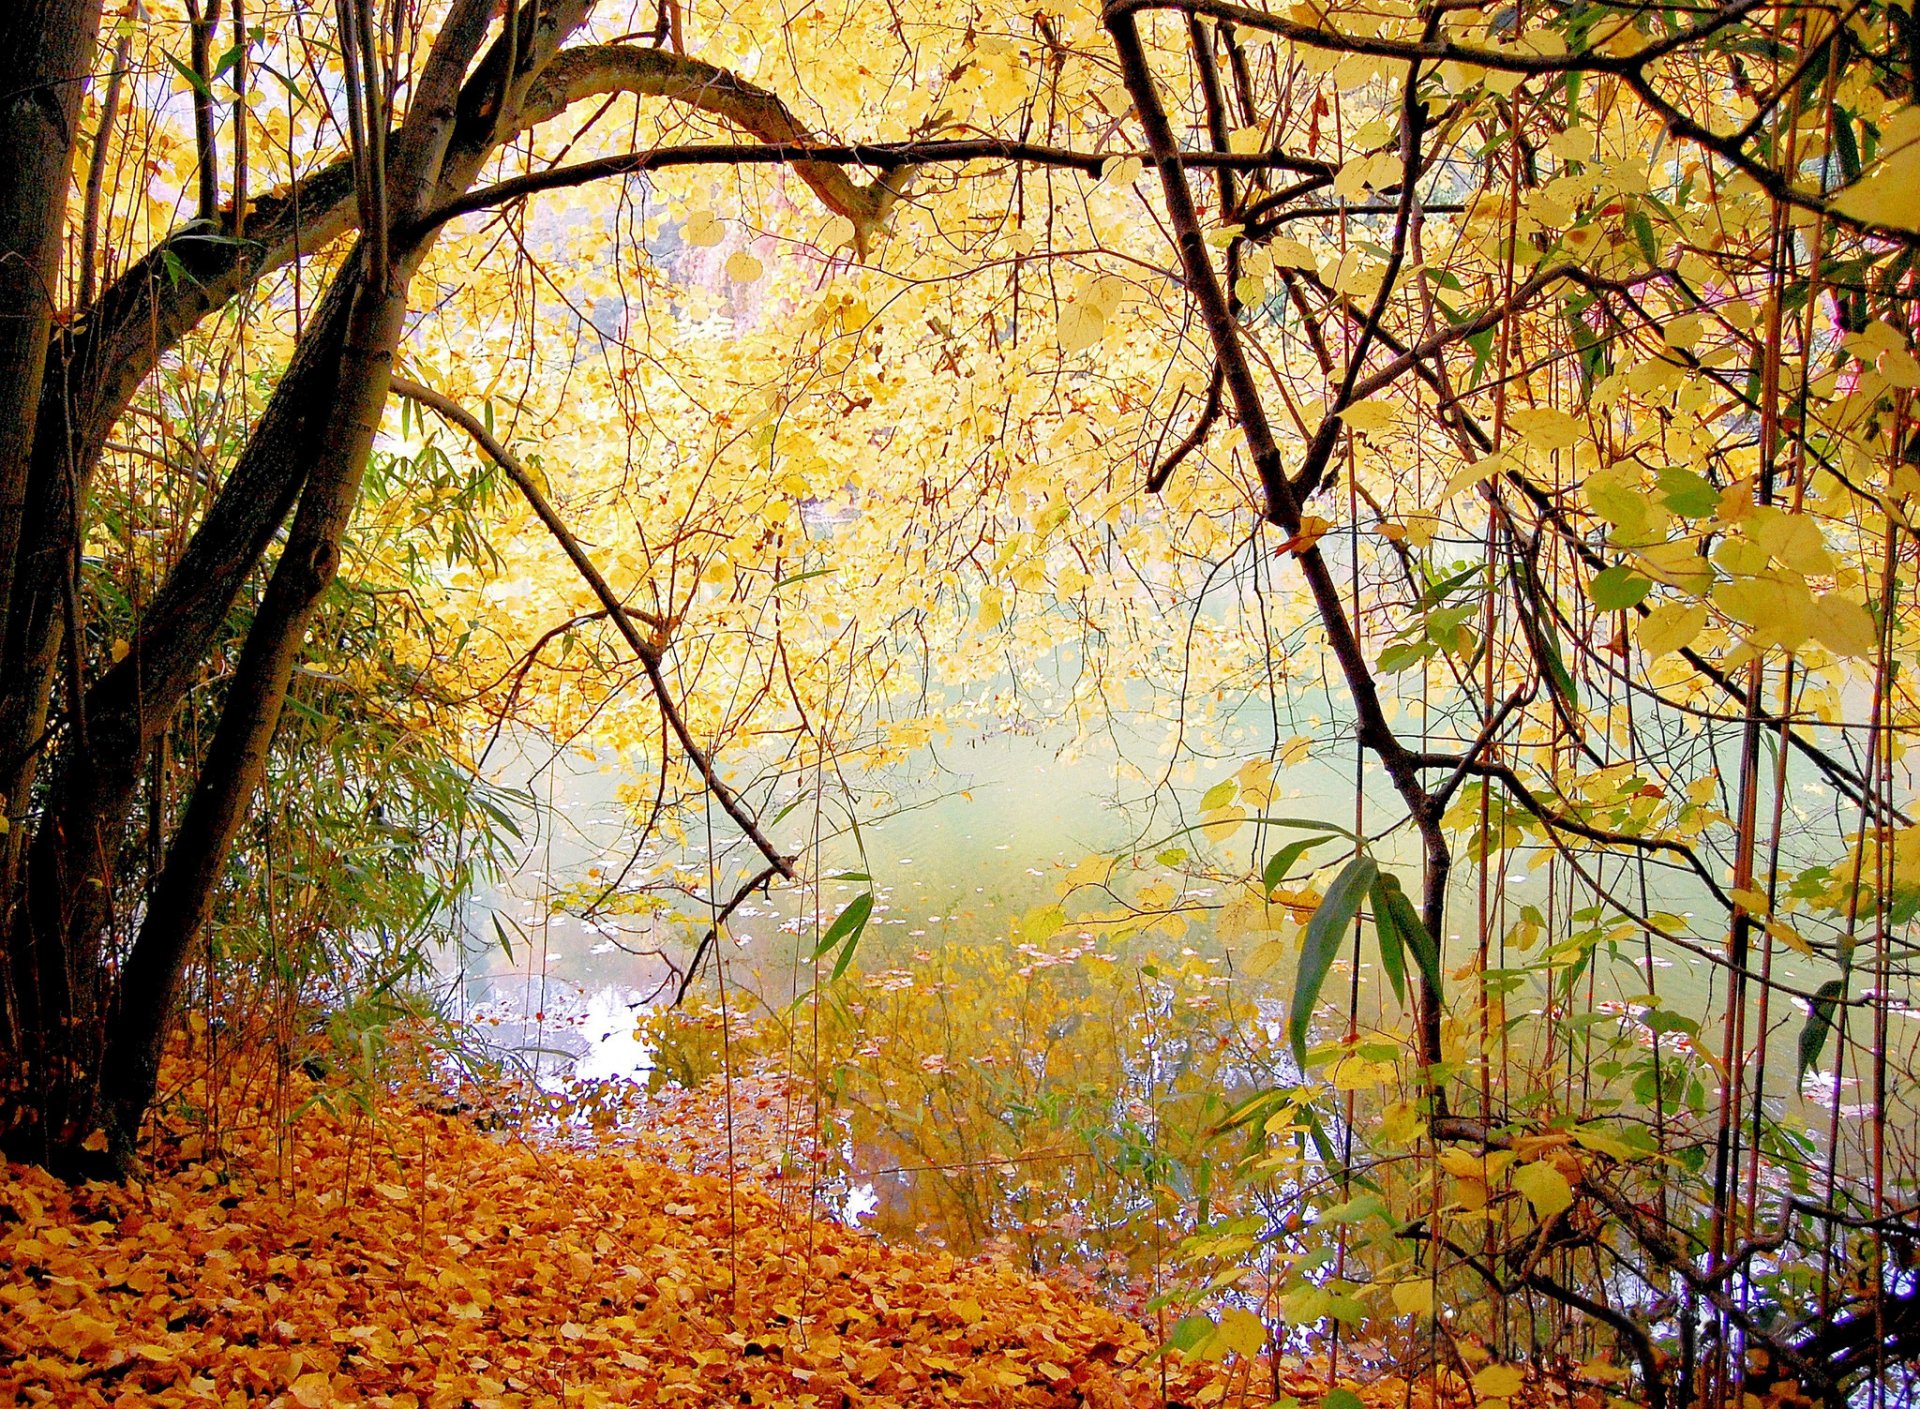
x: 1284, y: 860
x: 1813, y: 1037
x: 1617, y: 588
x: 1325, y: 933
x: 847, y: 925
x: 1545, y: 1187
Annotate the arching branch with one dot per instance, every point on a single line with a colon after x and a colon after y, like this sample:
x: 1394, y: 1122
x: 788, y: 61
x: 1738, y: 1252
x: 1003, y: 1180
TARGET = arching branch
x: 648, y: 653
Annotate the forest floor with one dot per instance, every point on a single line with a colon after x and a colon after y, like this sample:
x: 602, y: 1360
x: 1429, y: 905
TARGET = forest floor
x: 393, y: 1256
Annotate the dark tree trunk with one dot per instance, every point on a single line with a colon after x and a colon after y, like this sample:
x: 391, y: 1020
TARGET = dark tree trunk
x: 237, y: 758
x: 46, y: 55
x: 57, y: 968
x: 85, y: 1033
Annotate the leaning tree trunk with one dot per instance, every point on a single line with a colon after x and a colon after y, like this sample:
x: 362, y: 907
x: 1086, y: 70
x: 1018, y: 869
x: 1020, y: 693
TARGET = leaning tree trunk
x: 237, y: 757
x: 59, y: 1085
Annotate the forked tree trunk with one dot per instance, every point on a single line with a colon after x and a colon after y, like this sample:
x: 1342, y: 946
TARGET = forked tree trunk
x: 82, y: 1041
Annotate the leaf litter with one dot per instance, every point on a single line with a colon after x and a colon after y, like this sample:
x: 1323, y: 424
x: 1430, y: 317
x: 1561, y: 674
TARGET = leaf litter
x: 412, y: 1259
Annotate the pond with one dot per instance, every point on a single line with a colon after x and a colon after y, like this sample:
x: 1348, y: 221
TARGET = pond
x: 989, y: 1070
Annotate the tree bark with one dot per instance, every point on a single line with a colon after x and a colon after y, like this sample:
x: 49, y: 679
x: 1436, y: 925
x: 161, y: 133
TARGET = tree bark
x: 237, y: 758
x: 49, y: 46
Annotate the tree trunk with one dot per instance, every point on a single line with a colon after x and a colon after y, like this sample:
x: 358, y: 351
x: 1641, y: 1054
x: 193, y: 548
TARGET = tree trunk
x: 237, y: 758
x: 83, y: 1047
x: 49, y: 46
x: 55, y: 971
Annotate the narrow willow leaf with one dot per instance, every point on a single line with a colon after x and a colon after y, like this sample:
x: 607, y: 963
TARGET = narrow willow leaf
x: 1299, y: 824
x: 1414, y: 933
x: 846, y: 925
x: 1285, y: 859
x: 1325, y: 932
x: 1813, y: 1037
x: 1393, y: 959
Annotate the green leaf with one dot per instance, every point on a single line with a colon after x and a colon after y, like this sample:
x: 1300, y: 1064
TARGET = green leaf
x: 1342, y: 1399
x: 1813, y: 1037
x: 847, y: 925
x: 1325, y: 933
x: 199, y: 84
x: 1355, y: 1210
x: 1413, y: 932
x: 1190, y: 1331
x: 1284, y: 860
x: 1404, y: 655
x: 1643, y: 234
x: 1617, y: 589
x: 822, y: 572
x: 1690, y: 495
x: 1393, y: 959
x: 1301, y: 824
x: 1219, y: 795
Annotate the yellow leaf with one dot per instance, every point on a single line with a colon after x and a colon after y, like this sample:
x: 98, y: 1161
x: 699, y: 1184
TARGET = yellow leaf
x: 1240, y: 1330
x: 1670, y: 627
x: 1359, y: 1074
x: 1413, y: 1298
x: 1889, y: 194
x: 1546, y: 429
x: 702, y: 230
x: 1547, y: 1189
x: 1596, y: 1138
x: 120, y: 649
x: 312, y: 1390
x: 1081, y: 326
x: 1375, y: 415
x: 743, y: 268
x: 1844, y: 626
x: 1789, y: 936
x: 1499, y: 1381
x: 1267, y: 957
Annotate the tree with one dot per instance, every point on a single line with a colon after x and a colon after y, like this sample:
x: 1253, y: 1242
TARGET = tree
x: 83, y: 1026
x: 1551, y: 367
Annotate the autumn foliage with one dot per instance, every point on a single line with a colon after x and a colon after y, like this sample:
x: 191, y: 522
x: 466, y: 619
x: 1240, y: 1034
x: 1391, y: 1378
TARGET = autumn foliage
x: 407, y: 1258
